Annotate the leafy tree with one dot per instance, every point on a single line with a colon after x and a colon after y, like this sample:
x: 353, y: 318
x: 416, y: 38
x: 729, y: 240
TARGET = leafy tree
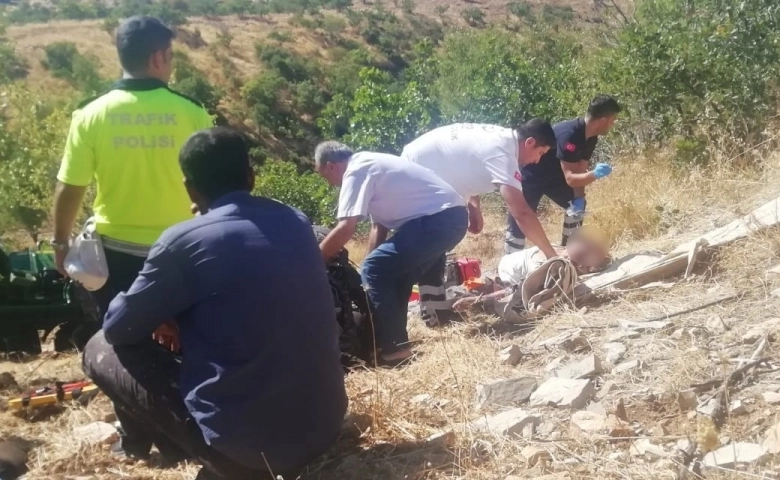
x: 64, y: 61
x: 189, y: 80
x: 14, y: 67
x: 714, y: 66
x: 307, y: 191
x: 31, y: 138
x: 382, y: 117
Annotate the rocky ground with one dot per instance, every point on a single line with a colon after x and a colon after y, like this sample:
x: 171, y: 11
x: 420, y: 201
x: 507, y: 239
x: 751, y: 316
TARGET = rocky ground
x: 678, y: 380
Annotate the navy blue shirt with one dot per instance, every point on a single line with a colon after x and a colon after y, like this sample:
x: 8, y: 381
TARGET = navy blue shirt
x: 261, y: 370
x: 572, y: 146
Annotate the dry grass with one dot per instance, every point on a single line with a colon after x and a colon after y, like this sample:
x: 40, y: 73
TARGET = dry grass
x: 452, y: 361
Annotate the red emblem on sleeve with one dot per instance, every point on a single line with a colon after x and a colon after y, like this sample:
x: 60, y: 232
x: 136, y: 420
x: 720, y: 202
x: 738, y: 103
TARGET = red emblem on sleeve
x: 518, y: 177
x: 570, y: 147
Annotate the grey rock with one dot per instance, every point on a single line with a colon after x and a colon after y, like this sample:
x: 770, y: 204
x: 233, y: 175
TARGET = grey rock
x: 563, y: 392
x: 511, y: 355
x: 772, y: 441
x: 642, y: 327
x: 585, y: 367
x: 614, y: 351
x: 737, y: 454
x: 505, y: 392
x: 772, y: 398
x: 96, y: 432
x: 630, y: 365
x: 623, y: 335
x: 511, y: 422
x: 769, y: 327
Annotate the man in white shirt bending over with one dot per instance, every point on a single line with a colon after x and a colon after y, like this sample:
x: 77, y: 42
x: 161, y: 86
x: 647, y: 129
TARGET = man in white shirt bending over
x: 476, y: 159
x: 428, y: 216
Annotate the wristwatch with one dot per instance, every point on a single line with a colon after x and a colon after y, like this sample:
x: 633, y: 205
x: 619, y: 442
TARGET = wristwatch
x: 59, y: 246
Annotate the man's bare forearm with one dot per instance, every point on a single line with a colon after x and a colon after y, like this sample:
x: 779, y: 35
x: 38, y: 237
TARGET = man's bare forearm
x: 67, y: 202
x: 378, y: 235
x: 337, y: 238
x: 527, y: 219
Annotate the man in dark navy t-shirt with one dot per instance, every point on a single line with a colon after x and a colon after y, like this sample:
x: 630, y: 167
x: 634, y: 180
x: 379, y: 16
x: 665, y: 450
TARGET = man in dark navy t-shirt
x: 562, y: 174
x: 243, y: 289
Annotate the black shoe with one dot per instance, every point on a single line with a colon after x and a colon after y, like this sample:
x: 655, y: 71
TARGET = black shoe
x: 132, y: 453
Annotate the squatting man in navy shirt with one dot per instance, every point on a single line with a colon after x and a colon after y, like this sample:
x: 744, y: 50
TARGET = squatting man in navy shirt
x: 259, y: 383
x: 428, y: 216
x: 562, y: 174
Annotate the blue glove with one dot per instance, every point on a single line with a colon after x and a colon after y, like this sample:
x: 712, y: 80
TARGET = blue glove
x: 602, y: 170
x: 576, y: 207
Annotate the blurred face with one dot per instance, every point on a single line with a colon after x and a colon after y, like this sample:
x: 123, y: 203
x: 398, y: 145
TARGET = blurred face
x: 161, y: 64
x: 586, y: 254
x: 604, y: 125
x: 333, y: 173
x: 530, y: 152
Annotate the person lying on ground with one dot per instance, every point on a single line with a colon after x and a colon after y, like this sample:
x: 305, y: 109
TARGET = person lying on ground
x: 476, y: 159
x: 563, y: 173
x: 587, y: 253
x: 428, y: 216
x: 259, y: 385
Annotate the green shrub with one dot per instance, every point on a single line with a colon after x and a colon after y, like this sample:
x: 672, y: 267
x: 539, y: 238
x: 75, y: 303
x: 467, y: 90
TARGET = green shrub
x: 307, y: 192
x: 474, y: 16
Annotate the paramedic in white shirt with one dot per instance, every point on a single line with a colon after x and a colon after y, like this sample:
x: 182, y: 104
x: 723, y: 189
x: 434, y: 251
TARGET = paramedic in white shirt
x: 428, y: 217
x: 476, y: 159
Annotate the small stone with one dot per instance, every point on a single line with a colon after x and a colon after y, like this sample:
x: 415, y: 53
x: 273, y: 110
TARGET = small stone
x: 8, y: 382
x: 772, y: 441
x: 623, y: 335
x: 620, y: 410
x: 620, y: 457
x: 96, y: 432
x: 583, y: 368
x: 554, y: 364
x: 658, y: 431
x: 446, y: 439
x: 776, y: 293
x: 769, y: 327
x: 772, y: 398
x: 584, y: 424
x: 598, y: 408
x: 357, y: 423
x: 614, y: 351
x: 424, y: 398
x: 534, y: 455
x: 687, y: 400
x: 511, y: 355
x: 605, y: 389
x: 737, y: 408
x: 646, y: 448
x: 775, y: 270
x: 505, y: 392
x: 725, y: 440
x: 708, y: 408
x: 626, y: 366
x: 642, y: 327
x: 683, y: 444
x: 563, y: 392
x: 571, y: 341
x: 511, y: 422
x: 737, y: 454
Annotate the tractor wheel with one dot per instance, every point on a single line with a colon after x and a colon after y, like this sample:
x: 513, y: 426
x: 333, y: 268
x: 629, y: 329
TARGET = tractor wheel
x: 74, y: 336
x: 22, y: 339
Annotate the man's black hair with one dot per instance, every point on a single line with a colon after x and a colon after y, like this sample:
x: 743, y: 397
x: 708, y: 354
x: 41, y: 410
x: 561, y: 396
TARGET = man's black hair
x: 603, y: 106
x: 138, y: 38
x: 540, y: 130
x: 215, y: 161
